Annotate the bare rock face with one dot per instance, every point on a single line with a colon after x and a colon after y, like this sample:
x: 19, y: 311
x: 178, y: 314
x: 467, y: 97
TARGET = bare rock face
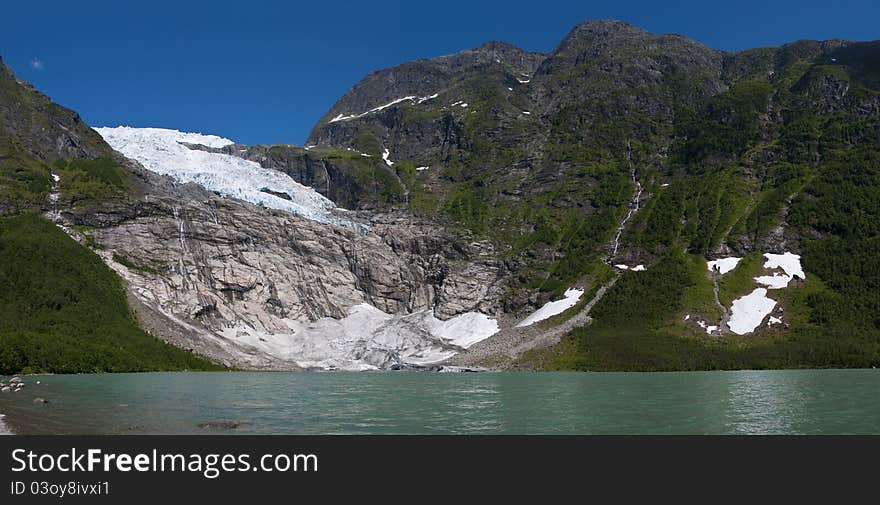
x: 200, y: 265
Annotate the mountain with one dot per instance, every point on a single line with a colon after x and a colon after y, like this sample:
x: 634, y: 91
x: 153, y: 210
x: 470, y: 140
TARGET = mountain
x: 714, y: 154
x: 628, y: 201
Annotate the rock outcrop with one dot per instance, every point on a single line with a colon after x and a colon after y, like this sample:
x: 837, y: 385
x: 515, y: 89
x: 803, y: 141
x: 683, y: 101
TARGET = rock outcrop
x: 200, y: 265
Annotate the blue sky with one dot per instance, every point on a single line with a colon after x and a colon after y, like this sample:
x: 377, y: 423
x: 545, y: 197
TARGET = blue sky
x: 264, y: 72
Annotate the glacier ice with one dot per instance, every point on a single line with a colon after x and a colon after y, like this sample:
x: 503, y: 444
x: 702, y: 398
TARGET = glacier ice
x: 161, y: 151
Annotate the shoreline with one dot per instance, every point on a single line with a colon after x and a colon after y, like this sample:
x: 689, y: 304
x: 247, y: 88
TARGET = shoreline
x: 443, y: 367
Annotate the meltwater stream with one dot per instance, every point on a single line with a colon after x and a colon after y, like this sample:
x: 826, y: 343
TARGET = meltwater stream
x: 736, y: 402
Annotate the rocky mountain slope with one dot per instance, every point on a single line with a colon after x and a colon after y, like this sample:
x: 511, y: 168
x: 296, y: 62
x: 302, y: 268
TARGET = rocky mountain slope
x: 624, y: 148
x: 589, y: 192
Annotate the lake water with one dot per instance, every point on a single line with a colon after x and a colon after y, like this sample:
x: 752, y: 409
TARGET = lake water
x: 737, y: 402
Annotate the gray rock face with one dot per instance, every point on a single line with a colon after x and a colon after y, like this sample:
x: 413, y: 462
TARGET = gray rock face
x: 199, y: 265
x: 333, y: 178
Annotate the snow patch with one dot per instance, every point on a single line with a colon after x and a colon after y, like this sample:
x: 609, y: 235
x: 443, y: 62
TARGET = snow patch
x: 637, y: 268
x: 385, y: 155
x: 343, y: 117
x: 550, y: 309
x: 773, y: 320
x: 747, y: 312
x: 463, y: 330
x: 790, y: 263
x: 773, y: 281
x: 419, y: 169
x: 724, y: 264
x: 160, y: 150
x: 411, y: 98
x: 709, y: 328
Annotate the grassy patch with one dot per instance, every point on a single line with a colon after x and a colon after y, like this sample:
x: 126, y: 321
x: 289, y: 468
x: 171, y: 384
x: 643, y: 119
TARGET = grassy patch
x: 123, y: 260
x: 741, y: 280
x: 92, y: 179
x: 22, y: 177
x: 699, y: 296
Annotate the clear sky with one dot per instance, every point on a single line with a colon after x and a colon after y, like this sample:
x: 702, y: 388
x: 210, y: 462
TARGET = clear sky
x: 264, y: 72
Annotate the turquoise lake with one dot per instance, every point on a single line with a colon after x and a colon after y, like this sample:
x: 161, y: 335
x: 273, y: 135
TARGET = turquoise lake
x: 735, y: 402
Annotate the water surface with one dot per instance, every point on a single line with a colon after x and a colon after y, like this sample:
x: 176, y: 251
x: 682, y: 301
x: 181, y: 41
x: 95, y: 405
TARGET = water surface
x: 736, y: 402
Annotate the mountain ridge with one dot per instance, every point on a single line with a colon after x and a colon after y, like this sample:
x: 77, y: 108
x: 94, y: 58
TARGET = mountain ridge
x: 496, y: 180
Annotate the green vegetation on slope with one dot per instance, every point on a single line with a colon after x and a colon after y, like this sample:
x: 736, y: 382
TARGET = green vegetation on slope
x: 63, y: 311
x: 92, y: 179
x: 23, y: 179
x: 734, y: 177
x: 26, y: 181
x: 791, y: 137
x: 632, y: 331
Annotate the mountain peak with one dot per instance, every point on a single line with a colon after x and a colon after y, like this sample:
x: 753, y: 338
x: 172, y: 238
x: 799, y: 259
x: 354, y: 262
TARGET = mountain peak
x: 604, y: 28
x: 604, y: 40
x: 495, y: 45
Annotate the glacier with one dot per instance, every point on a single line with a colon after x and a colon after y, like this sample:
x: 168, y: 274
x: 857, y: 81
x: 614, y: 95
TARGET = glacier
x: 163, y: 151
x: 244, y: 330
x: 368, y: 339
